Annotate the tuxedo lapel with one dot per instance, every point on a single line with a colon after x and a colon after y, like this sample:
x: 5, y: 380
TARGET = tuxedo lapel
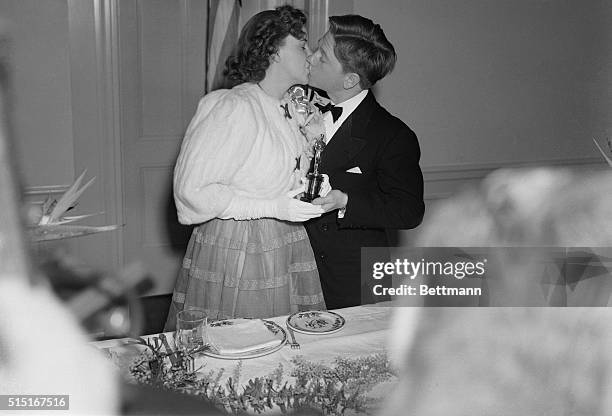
x: 341, y: 147
x: 350, y: 137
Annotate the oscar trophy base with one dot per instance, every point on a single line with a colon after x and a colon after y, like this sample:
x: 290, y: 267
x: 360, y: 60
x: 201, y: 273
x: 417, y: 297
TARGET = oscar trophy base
x: 313, y: 187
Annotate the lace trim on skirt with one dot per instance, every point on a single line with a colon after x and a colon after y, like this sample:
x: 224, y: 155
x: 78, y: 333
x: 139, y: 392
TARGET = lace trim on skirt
x: 259, y: 268
x: 247, y: 284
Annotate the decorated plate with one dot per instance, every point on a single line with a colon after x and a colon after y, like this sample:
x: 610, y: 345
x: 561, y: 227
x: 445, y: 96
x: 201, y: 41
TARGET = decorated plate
x: 315, y: 322
x: 276, y: 330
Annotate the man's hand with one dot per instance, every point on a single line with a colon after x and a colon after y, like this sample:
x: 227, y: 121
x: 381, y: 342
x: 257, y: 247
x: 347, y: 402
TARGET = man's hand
x: 335, y: 199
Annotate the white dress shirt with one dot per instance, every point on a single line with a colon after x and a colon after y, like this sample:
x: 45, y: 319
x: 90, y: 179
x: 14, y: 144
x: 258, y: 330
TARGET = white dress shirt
x: 348, y: 107
x: 331, y: 128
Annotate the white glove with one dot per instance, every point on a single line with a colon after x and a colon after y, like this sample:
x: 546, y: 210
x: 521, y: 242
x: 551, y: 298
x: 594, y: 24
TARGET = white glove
x: 296, y: 210
x: 325, y: 185
x: 284, y: 208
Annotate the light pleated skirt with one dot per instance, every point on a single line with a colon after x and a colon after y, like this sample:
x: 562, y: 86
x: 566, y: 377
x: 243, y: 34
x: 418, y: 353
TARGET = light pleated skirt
x: 258, y: 268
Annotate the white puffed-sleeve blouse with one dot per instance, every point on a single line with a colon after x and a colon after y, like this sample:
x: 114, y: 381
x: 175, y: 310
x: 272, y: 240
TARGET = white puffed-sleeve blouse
x: 239, y: 143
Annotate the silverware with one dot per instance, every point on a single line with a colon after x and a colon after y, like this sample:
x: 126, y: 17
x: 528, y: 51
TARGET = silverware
x: 294, y: 344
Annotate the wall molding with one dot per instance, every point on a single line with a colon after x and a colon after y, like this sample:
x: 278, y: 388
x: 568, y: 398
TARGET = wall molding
x: 471, y: 169
x: 444, y: 180
x: 107, y: 51
x: 94, y: 87
x: 45, y: 190
x: 37, y: 194
x: 318, y: 14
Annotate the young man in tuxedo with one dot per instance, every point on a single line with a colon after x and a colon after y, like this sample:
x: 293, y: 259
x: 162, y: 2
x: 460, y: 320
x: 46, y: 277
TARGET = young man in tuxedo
x: 371, y: 157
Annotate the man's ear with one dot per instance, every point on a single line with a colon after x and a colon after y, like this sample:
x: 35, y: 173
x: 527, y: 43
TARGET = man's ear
x: 350, y: 80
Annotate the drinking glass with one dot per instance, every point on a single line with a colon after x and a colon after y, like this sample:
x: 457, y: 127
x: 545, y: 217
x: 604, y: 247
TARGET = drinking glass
x: 190, y: 329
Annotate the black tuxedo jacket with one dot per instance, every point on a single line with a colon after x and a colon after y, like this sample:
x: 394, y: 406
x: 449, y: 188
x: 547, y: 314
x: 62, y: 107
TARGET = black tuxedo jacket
x: 387, y: 194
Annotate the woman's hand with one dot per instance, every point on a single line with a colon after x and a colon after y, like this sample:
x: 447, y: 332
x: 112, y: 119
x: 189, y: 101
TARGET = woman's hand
x: 284, y: 207
x: 291, y: 209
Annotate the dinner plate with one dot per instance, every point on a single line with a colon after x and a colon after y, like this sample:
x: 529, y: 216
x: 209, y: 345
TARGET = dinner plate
x: 315, y: 322
x: 278, y: 332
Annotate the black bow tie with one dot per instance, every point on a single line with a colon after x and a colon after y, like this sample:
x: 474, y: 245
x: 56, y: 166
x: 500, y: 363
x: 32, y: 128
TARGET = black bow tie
x: 336, y: 112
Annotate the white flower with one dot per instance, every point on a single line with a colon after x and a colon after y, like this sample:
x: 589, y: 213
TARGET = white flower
x: 307, y: 115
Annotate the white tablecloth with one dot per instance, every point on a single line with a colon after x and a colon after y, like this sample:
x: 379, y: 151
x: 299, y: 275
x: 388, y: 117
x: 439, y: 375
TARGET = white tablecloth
x: 364, y: 334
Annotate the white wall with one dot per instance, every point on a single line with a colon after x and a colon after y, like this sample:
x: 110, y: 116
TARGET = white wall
x: 498, y: 81
x: 59, y: 115
x: 42, y: 117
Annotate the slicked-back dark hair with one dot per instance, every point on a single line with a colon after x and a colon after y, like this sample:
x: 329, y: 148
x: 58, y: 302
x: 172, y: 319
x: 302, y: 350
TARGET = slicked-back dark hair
x: 362, y: 47
x: 260, y: 39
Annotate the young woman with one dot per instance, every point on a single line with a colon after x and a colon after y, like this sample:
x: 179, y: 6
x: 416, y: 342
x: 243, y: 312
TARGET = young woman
x: 236, y: 176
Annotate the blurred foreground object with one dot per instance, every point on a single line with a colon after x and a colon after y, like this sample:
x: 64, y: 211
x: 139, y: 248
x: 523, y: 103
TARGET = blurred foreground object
x: 547, y: 234
x: 525, y: 207
x: 44, y: 352
x: 514, y: 361
x: 107, y: 305
x: 42, y: 349
x: 506, y: 362
x: 13, y: 261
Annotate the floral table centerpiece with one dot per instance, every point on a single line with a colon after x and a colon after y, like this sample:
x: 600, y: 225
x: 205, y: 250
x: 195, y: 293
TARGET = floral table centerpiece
x: 332, y: 389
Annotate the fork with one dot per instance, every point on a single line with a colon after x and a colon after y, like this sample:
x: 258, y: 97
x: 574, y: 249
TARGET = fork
x: 294, y: 344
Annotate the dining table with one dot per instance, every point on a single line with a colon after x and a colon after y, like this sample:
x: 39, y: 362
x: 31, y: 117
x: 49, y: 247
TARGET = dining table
x: 350, y: 362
